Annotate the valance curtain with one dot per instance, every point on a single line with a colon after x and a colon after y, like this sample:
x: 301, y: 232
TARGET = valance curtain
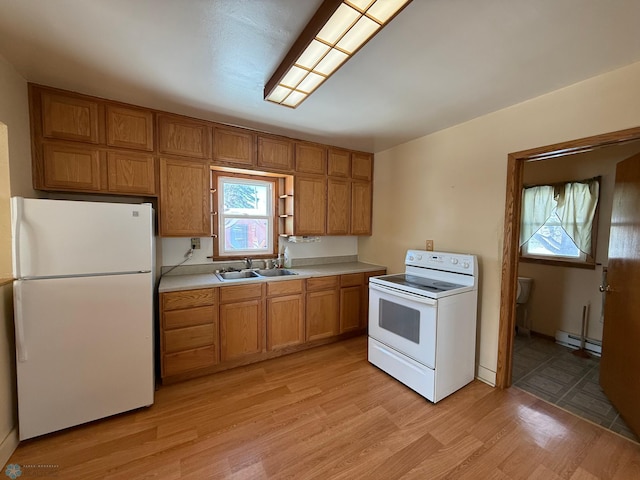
x: 573, y: 202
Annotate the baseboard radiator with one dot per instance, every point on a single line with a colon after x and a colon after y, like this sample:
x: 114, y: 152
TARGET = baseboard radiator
x: 573, y: 341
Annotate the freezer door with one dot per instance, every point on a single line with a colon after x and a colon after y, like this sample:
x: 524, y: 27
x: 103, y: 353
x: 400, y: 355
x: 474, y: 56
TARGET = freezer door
x: 84, y: 349
x: 58, y: 237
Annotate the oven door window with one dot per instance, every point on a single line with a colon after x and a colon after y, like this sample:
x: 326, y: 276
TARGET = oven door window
x: 400, y: 319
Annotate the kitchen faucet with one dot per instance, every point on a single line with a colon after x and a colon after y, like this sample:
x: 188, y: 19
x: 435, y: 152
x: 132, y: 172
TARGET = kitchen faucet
x: 248, y: 262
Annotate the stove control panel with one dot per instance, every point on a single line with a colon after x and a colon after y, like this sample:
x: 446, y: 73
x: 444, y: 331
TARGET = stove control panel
x: 453, y: 262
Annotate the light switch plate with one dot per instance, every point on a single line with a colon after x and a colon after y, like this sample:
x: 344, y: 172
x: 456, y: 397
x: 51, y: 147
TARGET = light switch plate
x: 429, y: 246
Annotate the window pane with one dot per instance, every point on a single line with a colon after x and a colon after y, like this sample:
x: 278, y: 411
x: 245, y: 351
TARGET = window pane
x: 551, y: 240
x: 245, y: 199
x: 242, y: 234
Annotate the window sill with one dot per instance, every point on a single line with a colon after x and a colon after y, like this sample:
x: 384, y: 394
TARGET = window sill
x: 559, y: 263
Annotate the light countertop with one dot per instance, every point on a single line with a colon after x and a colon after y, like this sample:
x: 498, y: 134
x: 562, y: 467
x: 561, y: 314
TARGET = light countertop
x: 174, y: 283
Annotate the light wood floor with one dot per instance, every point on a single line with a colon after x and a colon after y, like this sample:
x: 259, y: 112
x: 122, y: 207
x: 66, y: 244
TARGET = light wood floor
x: 328, y: 414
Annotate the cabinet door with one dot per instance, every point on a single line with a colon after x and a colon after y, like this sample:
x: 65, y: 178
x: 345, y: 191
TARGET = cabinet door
x: 362, y: 166
x: 311, y: 158
x: 234, y: 146
x: 322, y: 314
x: 184, y: 199
x: 129, y: 128
x: 240, y: 329
x: 130, y: 173
x: 275, y: 153
x: 309, y: 205
x: 71, y: 167
x: 285, y: 321
x: 361, y: 199
x: 338, y: 206
x: 182, y: 136
x: 339, y: 163
x: 350, y: 308
x: 69, y: 118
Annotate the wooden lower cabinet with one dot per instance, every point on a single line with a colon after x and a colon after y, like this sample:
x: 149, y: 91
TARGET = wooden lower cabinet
x: 241, y: 321
x: 189, y: 331
x: 240, y: 329
x: 322, y: 307
x: 212, y: 329
x: 285, y: 321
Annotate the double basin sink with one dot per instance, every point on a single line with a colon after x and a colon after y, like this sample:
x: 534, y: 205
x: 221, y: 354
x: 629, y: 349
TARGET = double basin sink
x: 247, y: 274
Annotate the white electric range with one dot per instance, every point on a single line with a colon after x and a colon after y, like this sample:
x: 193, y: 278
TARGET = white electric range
x: 422, y: 323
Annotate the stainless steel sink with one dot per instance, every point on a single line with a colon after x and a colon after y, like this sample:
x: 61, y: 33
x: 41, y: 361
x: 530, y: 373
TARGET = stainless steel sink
x: 237, y: 275
x: 275, y: 272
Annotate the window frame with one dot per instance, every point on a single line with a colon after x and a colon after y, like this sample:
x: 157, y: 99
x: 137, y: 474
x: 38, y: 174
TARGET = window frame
x: 217, y: 216
x: 588, y: 261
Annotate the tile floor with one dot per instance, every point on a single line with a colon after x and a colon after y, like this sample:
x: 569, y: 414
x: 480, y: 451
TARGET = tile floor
x: 551, y: 372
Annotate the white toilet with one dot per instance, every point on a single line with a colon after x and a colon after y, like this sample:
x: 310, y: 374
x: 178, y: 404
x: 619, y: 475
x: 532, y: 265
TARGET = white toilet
x: 522, y: 296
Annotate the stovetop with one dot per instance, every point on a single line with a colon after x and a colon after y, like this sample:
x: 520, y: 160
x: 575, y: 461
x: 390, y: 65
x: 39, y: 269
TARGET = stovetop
x: 421, y: 283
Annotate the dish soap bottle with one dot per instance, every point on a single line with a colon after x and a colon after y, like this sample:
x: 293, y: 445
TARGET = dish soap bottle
x: 287, y: 258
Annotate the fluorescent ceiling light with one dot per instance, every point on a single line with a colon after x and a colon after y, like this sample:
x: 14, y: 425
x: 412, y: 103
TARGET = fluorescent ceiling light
x: 335, y: 33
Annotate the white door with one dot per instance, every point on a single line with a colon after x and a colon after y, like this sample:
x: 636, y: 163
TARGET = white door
x: 60, y: 237
x: 84, y: 349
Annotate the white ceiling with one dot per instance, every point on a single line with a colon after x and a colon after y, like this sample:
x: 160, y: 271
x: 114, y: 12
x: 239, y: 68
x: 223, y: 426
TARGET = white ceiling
x: 439, y: 63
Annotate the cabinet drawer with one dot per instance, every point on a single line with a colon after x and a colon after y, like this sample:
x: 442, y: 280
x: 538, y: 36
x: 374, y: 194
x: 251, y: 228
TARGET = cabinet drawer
x: 351, y: 279
x: 188, y: 317
x: 188, y: 338
x: 240, y: 292
x: 284, y: 288
x: 183, y: 362
x: 188, y: 298
x: 322, y: 283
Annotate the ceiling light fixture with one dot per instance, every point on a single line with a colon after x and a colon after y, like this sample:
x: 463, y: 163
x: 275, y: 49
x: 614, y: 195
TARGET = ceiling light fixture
x: 336, y: 32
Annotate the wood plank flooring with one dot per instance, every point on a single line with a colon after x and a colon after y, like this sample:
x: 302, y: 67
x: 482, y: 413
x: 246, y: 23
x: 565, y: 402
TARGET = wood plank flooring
x: 326, y: 413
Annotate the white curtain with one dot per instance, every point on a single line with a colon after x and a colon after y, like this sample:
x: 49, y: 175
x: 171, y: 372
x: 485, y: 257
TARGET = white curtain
x: 538, y: 205
x: 573, y: 202
x: 576, y: 208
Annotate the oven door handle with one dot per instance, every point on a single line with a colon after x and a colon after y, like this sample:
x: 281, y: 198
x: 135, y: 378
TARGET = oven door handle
x: 407, y: 296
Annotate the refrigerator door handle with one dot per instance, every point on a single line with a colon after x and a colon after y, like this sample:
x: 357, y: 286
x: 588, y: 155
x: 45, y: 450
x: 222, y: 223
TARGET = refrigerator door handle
x: 21, y: 347
x: 17, y: 209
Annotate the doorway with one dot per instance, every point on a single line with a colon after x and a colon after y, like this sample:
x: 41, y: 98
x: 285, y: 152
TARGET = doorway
x: 515, y: 172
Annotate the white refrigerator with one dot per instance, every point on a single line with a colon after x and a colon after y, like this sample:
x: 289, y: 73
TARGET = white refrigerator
x: 83, y: 309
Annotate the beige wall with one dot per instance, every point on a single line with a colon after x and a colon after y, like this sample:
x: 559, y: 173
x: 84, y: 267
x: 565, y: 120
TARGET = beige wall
x: 14, y: 117
x: 450, y: 186
x: 559, y: 293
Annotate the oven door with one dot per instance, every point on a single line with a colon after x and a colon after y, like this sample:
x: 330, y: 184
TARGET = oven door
x: 404, y: 321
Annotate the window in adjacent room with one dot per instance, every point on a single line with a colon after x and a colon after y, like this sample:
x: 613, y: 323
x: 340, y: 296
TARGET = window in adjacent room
x: 559, y: 222
x: 245, y: 216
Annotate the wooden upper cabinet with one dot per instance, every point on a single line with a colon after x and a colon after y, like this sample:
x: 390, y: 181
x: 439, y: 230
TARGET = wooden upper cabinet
x: 130, y: 172
x: 183, y: 136
x: 309, y: 201
x: 275, y: 153
x: 311, y: 158
x: 184, y: 198
x: 362, y: 166
x: 234, y: 146
x: 338, y: 206
x: 66, y: 167
x: 361, y: 198
x: 339, y: 163
x: 69, y: 118
x: 129, y: 128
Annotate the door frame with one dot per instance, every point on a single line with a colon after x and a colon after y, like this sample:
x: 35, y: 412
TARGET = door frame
x: 510, y: 249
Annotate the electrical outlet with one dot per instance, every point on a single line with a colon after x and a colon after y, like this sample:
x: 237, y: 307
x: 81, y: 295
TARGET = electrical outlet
x: 195, y: 243
x: 429, y: 246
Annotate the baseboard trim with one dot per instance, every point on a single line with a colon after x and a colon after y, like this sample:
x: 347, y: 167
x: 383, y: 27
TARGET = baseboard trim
x: 8, y: 446
x: 487, y: 376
